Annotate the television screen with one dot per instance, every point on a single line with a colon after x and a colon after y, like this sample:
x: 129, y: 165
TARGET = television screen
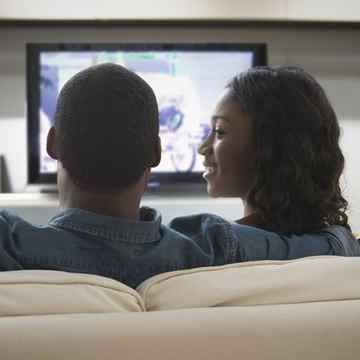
x: 187, y: 81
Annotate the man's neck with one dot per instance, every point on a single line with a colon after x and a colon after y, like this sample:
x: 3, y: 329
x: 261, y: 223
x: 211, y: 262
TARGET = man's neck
x: 123, y: 205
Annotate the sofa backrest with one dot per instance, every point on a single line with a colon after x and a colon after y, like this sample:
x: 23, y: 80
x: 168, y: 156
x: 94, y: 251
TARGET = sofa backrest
x: 300, y: 309
x: 311, y: 279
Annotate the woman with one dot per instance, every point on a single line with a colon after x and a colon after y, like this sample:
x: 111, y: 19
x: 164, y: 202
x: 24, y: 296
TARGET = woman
x: 275, y: 144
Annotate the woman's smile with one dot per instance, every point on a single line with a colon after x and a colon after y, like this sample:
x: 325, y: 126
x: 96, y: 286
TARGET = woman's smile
x: 209, y: 171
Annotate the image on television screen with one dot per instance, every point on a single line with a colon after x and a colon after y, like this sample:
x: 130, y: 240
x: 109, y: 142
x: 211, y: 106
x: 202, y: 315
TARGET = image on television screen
x: 186, y: 83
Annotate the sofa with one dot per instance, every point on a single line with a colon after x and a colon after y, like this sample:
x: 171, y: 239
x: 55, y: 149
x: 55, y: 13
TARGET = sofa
x: 306, y: 308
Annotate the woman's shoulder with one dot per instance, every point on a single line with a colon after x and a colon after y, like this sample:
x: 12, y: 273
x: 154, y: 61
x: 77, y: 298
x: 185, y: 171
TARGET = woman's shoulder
x: 344, y: 239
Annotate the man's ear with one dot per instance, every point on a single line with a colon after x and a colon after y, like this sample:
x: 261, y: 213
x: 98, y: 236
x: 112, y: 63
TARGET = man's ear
x: 157, y: 153
x: 51, y: 143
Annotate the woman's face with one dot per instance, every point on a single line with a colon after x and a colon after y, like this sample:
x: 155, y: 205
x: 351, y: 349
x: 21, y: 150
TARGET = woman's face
x: 229, y: 151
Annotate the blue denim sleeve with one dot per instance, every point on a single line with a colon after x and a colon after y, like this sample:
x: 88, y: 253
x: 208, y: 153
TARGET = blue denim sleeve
x: 7, y: 243
x: 252, y: 244
x: 211, y: 233
x: 256, y: 244
x: 231, y: 242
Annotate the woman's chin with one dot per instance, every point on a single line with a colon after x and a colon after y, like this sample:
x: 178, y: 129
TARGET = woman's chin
x: 215, y: 192
x: 212, y: 191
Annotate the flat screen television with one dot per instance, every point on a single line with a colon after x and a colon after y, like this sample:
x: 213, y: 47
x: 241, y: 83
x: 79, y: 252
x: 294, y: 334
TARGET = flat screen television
x: 187, y: 80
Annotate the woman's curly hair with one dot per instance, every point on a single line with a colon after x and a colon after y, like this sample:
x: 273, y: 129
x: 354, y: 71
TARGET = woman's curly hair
x: 298, y: 158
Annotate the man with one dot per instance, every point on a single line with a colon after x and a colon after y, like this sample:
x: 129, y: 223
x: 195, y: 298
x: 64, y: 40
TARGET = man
x: 105, y: 141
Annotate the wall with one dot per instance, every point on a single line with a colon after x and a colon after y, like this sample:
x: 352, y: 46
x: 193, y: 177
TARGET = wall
x: 331, y: 54
x: 289, y: 10
x: 143, y: 9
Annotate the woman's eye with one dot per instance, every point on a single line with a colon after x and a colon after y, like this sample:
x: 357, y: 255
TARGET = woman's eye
x: 218, y: 131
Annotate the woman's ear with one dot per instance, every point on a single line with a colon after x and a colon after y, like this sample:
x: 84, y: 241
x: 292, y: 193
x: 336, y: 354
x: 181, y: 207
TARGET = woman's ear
x: 157, y: 153
x: 51, y: 143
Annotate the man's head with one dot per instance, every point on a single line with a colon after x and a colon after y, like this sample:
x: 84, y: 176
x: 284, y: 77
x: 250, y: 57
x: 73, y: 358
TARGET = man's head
x: 106, y: 129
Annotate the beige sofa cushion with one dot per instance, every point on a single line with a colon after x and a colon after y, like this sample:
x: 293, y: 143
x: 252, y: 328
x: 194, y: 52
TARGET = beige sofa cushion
x: 39, y: 292
x: 310, y: 279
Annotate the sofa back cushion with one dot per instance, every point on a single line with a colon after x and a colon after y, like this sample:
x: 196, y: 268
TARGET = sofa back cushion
x: 310, y: 279
x: 39, y: 292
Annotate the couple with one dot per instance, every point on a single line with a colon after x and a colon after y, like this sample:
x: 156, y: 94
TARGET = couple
x: 274, y: 143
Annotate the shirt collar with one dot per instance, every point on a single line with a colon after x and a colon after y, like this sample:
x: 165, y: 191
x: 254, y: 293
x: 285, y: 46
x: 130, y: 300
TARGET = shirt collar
x: 146, y: 229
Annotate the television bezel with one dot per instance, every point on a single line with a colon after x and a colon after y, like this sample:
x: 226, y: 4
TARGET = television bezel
x: 33, y: 50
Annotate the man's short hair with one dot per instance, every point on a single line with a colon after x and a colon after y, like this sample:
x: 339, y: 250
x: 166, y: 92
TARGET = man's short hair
x: 107, y: 127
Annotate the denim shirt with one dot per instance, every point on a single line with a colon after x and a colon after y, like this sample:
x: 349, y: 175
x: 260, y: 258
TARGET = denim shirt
x: 132, y: 251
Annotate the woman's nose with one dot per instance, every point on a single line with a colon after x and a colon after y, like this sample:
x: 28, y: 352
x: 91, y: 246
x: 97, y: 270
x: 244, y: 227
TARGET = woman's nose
x: 204, y: 147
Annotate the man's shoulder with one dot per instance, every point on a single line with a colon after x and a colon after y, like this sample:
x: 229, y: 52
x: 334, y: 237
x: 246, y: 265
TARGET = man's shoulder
x: 13, y: 228
x: 8, y: 217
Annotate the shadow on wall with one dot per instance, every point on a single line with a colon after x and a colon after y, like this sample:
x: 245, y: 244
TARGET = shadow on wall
x: 5, y: 184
